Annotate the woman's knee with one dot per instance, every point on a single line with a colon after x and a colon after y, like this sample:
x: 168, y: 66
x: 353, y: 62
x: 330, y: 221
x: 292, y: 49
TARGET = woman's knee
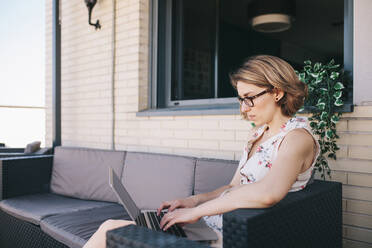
x: 108, y: 224
x: 112, y: 224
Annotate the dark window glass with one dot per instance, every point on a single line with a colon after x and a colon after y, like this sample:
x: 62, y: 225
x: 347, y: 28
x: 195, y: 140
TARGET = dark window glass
x: 206, y: 31
x: 194, y: 23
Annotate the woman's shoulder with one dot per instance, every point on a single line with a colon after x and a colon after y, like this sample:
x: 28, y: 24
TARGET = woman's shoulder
x: 298, y: 138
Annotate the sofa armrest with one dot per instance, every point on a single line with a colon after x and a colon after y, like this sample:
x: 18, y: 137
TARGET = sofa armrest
x: 25, y: 175
x: 308, y: 218
x: 136, y: 236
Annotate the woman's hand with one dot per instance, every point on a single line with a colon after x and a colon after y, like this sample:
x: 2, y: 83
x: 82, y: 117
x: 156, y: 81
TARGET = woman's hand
x: 188, y: 202
x: 181, y: 216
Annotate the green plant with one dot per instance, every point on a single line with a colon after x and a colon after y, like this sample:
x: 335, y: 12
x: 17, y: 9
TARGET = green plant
x: 325, y: 87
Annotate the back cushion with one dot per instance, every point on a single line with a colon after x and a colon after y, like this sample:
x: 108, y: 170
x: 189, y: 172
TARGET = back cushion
x: 84, y: 173
x: 153, y: 178
x: 211, y: 174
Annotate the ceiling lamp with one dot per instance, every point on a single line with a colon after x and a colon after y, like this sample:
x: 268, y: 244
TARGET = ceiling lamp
x: 270, y: 16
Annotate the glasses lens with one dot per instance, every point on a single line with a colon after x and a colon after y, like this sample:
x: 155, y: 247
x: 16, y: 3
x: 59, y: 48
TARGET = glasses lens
x: 248, y: 102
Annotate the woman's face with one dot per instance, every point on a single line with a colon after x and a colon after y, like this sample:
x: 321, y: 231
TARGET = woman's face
x: 264, y: 107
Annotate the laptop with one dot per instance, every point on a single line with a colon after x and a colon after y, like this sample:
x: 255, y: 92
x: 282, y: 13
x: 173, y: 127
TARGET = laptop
x: 198, y: 231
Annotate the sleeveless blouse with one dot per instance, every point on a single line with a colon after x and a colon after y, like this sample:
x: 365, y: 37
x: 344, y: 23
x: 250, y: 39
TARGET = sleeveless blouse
x: 258, y: 165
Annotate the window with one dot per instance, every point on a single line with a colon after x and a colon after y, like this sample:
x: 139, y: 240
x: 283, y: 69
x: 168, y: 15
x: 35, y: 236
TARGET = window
x: 198, y: 43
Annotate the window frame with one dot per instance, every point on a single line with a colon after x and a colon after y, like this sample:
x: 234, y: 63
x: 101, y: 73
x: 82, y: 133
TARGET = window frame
x: 160, y: 78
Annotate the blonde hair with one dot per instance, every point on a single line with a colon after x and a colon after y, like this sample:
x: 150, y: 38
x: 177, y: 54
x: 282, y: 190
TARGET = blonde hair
x: 272, y: 72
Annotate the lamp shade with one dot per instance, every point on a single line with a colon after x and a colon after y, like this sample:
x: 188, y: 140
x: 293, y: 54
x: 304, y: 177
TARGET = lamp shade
x: 271, y: 16
x: 270, y: 23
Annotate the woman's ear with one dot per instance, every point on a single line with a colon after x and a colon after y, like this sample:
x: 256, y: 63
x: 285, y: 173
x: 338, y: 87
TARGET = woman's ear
x: 278, y: 93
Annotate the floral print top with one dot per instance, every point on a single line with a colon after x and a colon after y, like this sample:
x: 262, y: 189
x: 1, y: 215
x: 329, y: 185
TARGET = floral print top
x: 257, y: 166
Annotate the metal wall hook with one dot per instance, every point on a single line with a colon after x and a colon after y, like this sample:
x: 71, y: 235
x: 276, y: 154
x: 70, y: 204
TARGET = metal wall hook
x: 90, y: 5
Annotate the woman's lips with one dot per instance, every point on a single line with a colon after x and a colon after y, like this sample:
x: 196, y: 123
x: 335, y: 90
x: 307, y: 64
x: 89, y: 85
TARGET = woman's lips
x: 251, y: 117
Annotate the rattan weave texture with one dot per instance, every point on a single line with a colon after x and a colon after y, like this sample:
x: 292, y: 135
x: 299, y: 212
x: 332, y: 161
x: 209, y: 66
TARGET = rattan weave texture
x: 15, y: 233
x: 140, y: 237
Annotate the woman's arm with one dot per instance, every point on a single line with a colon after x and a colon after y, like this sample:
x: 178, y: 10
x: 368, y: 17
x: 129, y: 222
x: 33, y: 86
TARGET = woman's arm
x: 295, y: 148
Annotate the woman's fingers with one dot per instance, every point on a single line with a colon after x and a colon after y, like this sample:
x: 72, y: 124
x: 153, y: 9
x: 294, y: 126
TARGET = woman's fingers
x: 169, y: 224
x: 164, y: 220
x: 171, y: 205
x: 174, y: 205
x: 165, y: 204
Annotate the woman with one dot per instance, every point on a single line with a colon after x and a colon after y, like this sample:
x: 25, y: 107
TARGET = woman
x: 278, y: 158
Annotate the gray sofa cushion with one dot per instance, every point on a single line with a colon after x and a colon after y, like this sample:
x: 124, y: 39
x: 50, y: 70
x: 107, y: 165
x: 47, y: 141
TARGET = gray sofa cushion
x: 32, y: 147
x: 74, y: 229
x: 33, y: 208
x: 211, y: 174
x: 83, y: 173
x: 153, y: 178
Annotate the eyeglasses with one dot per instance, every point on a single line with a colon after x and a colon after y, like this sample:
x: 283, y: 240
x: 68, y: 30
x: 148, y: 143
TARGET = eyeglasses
x: 248, y: 100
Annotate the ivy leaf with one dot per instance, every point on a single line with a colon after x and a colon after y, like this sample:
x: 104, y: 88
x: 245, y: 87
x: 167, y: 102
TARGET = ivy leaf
x: 335, y: 119
x: 339, y: 86
x: 329, y: 134
x: 307, y: 68
x: 322, y: 134
x: 313, y: 124
x: 334, y: 75
x: 333, y: 66
x: 324, y: 116
x: 311, y: 89
x: 321, y: 105
x: 321, y: 124
x: 337, y: 94
x: 318, y: 80
x: 339, y: 102
x: 317, y: 66
x: 314, y: 75
x: 301, y: 76
x: 307, y: 62
x: 332, y: 155
x: 323, y: 89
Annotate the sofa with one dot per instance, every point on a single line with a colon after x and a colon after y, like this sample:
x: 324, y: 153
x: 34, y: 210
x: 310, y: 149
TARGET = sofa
x: 60, y: 200
x: 30, y: 150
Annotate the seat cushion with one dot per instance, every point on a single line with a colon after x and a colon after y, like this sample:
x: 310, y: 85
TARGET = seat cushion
x: 33, y: 208
x: 74, y: 229
x: 211, y: 174
x: 153, y: 178
x: 83, y: 173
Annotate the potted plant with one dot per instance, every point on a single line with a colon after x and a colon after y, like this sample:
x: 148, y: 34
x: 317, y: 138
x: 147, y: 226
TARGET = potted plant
x: 325, y: 86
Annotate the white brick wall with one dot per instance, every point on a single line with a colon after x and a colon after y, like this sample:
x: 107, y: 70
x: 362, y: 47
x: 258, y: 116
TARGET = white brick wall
x: 86, y: 109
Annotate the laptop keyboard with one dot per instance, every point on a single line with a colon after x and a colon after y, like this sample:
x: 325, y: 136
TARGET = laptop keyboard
x: 155, y: 224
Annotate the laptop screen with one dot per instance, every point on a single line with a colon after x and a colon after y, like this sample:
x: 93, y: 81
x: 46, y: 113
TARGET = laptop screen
x: 123, y: 195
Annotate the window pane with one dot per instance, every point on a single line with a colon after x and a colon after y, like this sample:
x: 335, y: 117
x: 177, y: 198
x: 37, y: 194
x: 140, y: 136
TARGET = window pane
x: 193, y: 49
x: 316, y: 33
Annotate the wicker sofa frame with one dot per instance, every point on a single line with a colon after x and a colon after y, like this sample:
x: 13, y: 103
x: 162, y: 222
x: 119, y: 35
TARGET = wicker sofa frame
x: 309, y: 218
